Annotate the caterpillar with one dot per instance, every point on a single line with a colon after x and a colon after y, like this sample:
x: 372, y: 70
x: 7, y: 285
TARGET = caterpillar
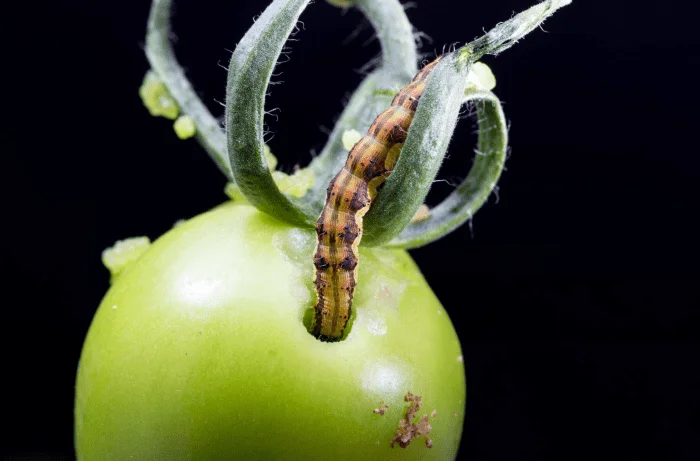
x: 348, y: 198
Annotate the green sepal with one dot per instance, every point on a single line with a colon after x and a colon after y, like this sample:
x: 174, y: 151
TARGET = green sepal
x: 249, y: 74
x: 422, y: 153
x: 473, y: 192
x: 429, y: 136
x: 508, y: 33
x: 342, y: 3
x: 374, y: 94
x: 162, y: 58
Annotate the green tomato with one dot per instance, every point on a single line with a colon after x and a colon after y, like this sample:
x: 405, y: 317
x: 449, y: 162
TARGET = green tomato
x: 200, y: 351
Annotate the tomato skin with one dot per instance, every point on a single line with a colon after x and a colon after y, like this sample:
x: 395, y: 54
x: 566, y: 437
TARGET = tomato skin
x: 198, y: 351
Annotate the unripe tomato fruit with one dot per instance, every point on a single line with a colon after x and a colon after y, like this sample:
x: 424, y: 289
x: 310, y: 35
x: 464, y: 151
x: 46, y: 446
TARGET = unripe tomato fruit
x: 199, y: 351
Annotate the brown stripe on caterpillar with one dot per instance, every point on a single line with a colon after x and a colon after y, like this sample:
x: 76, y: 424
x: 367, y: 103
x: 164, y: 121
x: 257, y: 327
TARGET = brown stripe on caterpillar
x: 348, y: 198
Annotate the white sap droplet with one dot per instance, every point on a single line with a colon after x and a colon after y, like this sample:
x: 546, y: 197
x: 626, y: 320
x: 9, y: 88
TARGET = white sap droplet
x: 481, y: 77
x: 350, y: 138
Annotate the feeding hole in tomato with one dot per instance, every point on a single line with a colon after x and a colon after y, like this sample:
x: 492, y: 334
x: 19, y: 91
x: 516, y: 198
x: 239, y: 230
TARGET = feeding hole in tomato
x: 308, y: 322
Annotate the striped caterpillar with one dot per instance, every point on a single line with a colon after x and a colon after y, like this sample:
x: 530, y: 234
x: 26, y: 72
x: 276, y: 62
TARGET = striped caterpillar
x: 348, y: 198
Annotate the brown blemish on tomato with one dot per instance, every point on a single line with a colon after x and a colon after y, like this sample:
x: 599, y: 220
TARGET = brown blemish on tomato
x: 381, y: 410
x: 409, y: 430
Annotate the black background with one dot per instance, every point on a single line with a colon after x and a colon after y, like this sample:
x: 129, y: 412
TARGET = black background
x: 575, y: 296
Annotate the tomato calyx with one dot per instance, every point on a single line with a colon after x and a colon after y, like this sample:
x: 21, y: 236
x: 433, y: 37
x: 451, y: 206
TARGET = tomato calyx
x: 239, y: 151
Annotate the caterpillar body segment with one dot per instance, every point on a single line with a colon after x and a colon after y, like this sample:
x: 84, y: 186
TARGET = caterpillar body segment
x: 348, y: 198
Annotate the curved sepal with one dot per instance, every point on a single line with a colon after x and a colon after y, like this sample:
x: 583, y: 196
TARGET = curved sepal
x: 421, y: 156
x: 249, y: 74
x: 398, y: 66
x: 472, y: 193
x: 430, y: 133
x: 162, y: 58
x: 507, y: 33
